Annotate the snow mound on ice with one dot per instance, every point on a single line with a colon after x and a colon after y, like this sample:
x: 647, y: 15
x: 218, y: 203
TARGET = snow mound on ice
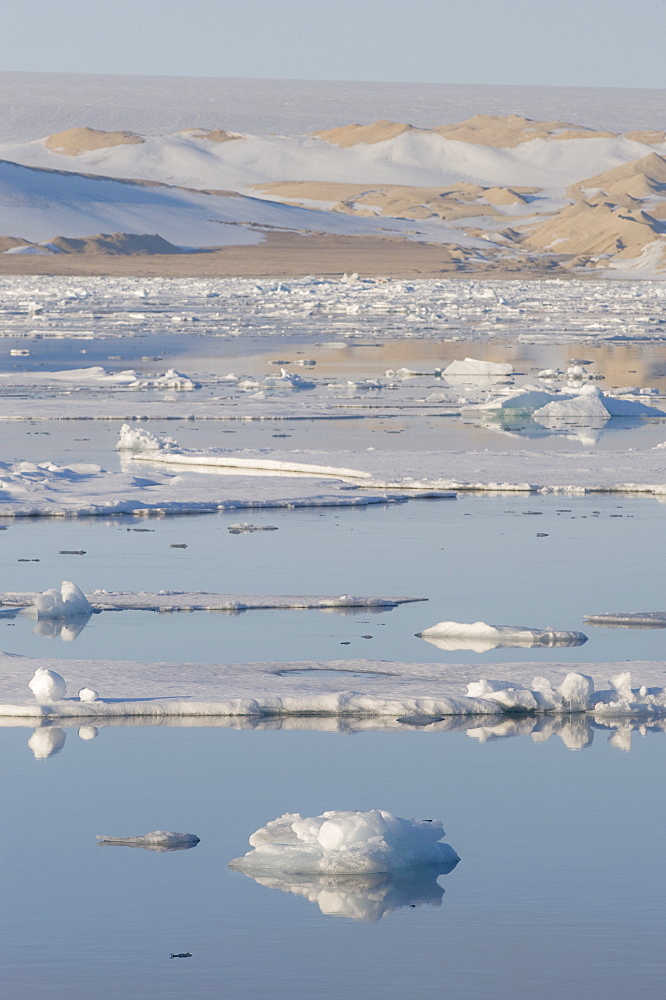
x: 47, y: 685
x: 63, y: 603
x: 158, y: 840
x: 499, y: 635
x: 345, y: 843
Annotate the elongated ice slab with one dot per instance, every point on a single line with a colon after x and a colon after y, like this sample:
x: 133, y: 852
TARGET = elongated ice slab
x: 447, y: 635
x: 345, y: 843
x: 158, y: 840
x: 629, y: 619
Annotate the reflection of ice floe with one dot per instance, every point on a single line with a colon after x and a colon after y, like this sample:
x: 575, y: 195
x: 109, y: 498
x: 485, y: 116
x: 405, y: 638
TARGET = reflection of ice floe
x: 46, y: 742
x: 87, y: 732
x: 629, y: 619
x: 344, y: 843
x: 64, y: 603
x: 66, y: 629
x: 364, y: 897
x: 158, y: 840
x: 479, y: 637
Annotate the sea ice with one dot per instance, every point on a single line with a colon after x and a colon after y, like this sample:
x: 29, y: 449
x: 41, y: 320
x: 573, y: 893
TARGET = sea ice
x: 344, y: 843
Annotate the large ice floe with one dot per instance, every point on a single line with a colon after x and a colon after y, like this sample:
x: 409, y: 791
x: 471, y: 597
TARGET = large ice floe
x: 185, y: 600
x: 334, y: 689
x: 345, y: 843
x: 158, y: 840
x: 479, y: 637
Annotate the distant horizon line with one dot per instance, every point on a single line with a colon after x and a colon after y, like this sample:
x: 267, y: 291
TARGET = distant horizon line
x: 310, y: 80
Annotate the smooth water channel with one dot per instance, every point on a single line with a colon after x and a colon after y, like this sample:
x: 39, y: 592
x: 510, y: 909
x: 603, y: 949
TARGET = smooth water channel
x: 538, y: 561
x: 558, y: 891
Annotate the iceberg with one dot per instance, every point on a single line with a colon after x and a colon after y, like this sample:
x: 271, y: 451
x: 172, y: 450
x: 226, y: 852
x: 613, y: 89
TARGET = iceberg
x: 344, y: 843
x: 67, y: 602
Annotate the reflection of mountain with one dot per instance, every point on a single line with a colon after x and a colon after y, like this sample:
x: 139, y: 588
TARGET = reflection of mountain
x: 364, y: 897
x: 66, y: 629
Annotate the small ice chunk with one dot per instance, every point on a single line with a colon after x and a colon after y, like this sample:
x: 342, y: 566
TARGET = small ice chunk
x: 88, y: 694
x: 345, y: 843
x: 47, y: 685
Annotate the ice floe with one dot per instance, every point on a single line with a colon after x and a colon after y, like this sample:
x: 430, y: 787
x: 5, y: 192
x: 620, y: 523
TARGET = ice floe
x: 480, y: 637
x: 629, y: 619
x: 345, y: 843
x: 185, y: 600
x: 347, y: 689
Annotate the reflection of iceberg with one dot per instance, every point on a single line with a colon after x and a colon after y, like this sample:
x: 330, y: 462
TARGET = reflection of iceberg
x: 66, y: 628
x: 47, y: 741
x: 344, y: 843
x: 364, y: 897
x: 479, y: 637
x: 158, y: 840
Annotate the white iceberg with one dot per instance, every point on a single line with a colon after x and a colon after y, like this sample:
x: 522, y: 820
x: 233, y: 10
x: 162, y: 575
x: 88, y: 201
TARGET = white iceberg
x: 67, y: 602
x: 344, y: 843
x: 158, y: 840
x: 479, y: 637
x: 139, y: 439
x: 470, y: 366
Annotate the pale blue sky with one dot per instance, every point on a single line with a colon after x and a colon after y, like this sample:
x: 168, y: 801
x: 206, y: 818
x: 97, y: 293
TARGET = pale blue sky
x: 605, y: 43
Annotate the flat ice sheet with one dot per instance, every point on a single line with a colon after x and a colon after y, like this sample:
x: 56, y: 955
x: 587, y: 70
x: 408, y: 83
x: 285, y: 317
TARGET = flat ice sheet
x: 343, y: 688
x: 103, y: 600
